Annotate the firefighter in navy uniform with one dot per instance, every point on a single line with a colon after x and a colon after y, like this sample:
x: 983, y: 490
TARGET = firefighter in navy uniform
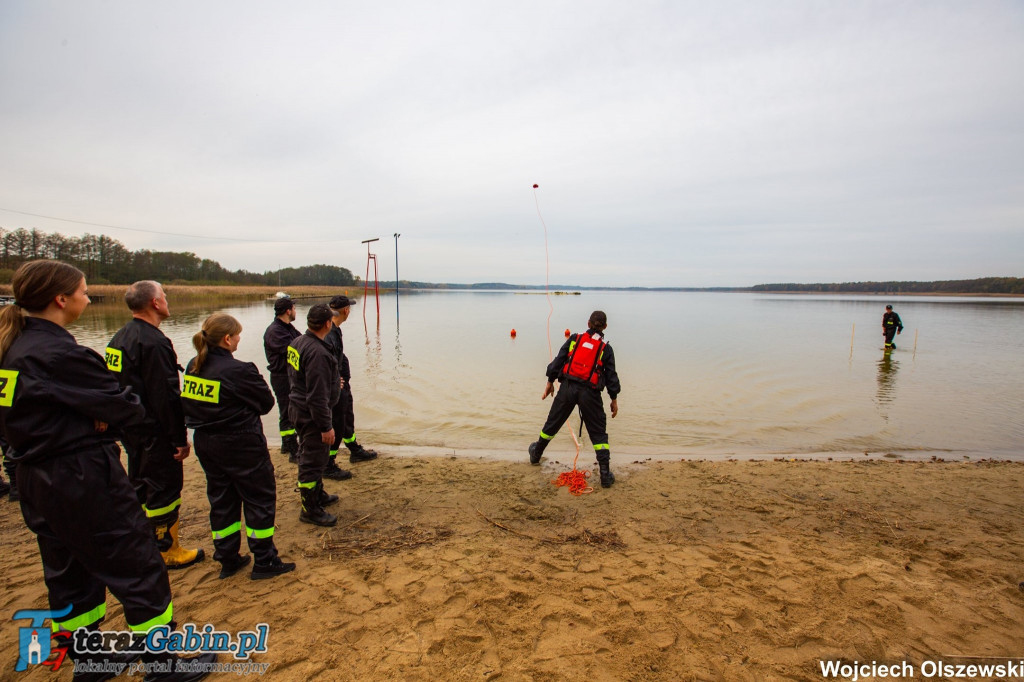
x: 313, y: 377
x: 891, y: 326
x: 584, y: 366
x: 223, y: 400
x: 275, y: 345
x: 61, y: 411
x: 343, y: 419
x: 143, y: 359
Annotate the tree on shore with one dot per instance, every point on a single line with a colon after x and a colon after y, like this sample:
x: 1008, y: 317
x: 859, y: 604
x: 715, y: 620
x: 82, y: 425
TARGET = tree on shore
x: 984, y: 285
x: 105, y: 260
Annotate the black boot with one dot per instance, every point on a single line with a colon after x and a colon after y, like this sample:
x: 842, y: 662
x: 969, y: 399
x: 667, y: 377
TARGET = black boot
x: 334, y: 472
x: 290, y: 445
x: 99, y: 667
x: 231, y: 566
x: 324, y: 498
x: 607, y: 477
x: 85, y: 663
x: 11, y: 469
x: 174, y: 668
x: 536, y: 449
x: 357, y: 453
x: 312, y: 512
x: 270, y: 570
x: 5, y: 487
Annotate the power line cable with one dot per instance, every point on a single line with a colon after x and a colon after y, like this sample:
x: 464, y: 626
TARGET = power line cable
x: 176, y: 234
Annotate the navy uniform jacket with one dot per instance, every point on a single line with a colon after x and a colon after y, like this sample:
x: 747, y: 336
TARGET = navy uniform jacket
x: 226, y: 395
x: 275, y: 344
x: 51, y: 392
x: 336, y: 343
x: 891, y: 319
x: 313, y: 379
x: 143, y: 360
x: 608, y: 377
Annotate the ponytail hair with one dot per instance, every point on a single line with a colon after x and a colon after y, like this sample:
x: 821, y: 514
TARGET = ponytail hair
x: 215, y: 328
x: 36, y: 283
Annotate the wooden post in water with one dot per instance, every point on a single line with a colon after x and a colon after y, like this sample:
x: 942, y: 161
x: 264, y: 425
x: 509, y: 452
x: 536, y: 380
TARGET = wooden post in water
x: 915, y: 341
x: 852, y: 331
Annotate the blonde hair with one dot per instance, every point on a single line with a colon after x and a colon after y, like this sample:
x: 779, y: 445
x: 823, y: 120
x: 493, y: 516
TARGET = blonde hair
x: 35, y: 284
x: 215, y: 328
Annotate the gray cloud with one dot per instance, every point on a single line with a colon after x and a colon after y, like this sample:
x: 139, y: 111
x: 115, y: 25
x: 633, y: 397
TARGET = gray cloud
x: 690, y: 144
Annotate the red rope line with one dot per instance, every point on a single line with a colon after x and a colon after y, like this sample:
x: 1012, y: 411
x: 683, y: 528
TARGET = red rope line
x: 576, y: 480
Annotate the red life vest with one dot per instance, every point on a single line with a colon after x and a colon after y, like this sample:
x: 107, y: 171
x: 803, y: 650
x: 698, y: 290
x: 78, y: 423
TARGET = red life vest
x: 585, y: 359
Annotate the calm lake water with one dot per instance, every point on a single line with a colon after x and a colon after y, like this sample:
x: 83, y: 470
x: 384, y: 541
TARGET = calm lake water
x: 703, y: 374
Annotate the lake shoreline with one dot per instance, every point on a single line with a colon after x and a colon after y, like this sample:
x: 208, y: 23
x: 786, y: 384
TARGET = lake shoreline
x: 458, y: 568
x: 639, y: 455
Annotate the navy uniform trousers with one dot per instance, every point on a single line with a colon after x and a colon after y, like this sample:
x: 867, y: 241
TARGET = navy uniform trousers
x: 93, y: 537
x: 239, y: 479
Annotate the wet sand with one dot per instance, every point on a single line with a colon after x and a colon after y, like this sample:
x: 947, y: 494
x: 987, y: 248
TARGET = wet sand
x: 461, y: 569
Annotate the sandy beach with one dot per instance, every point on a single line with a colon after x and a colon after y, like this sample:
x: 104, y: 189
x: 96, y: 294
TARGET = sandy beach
x: 448, y: 568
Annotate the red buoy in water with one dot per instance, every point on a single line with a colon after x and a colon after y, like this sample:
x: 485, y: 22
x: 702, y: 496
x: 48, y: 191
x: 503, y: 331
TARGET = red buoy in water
x: 513, y: 334
x: 567, y: 333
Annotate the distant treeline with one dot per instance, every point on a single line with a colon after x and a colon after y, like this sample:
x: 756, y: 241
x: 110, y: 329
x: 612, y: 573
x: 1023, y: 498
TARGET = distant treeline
x: 107, y: 261
x: 984, y: 285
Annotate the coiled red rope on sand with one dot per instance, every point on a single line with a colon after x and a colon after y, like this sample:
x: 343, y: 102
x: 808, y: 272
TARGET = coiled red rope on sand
x: 576, y: 481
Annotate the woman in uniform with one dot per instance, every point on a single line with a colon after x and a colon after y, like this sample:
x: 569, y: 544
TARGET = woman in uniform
x: 61, y: 411
x: 224, y: 399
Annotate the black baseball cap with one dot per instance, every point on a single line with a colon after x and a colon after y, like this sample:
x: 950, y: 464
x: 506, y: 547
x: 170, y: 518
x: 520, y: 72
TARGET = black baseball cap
x: 339, y: 302
x: 318, y: 316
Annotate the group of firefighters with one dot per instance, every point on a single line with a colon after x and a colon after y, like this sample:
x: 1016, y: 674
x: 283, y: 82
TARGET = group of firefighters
x: 63, y: 408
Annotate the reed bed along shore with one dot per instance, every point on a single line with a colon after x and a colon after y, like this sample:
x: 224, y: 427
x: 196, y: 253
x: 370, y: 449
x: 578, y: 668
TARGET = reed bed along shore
x: 107, y: 293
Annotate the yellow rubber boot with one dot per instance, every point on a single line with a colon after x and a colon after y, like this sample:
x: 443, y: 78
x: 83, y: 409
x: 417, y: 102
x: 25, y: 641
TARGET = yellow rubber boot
x: 176, y: 556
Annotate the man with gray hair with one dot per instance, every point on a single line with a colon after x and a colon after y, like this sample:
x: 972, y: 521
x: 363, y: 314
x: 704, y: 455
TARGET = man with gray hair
x: 143, y: 359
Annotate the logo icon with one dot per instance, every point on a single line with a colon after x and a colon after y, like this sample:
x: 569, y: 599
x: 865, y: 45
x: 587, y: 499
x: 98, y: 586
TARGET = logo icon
x: 34, y: 639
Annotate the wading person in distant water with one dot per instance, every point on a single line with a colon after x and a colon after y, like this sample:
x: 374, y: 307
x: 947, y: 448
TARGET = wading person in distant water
x: 891, y: 326
x: 584, y: 366
x: 143, y: 360
x: 313, y: 376
x: 223, y: 400
x: 344, y: 420
x: 62, y: 412
x: 275, y: 344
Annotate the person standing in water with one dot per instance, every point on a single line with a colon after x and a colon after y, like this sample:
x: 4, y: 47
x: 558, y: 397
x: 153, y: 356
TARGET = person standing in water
x: 891, y: 326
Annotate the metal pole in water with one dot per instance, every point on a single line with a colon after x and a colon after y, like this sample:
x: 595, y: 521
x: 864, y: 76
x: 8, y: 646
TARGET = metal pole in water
x: 397, y: 235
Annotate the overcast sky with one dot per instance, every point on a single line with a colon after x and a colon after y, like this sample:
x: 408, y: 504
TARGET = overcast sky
x: 675, y: 143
